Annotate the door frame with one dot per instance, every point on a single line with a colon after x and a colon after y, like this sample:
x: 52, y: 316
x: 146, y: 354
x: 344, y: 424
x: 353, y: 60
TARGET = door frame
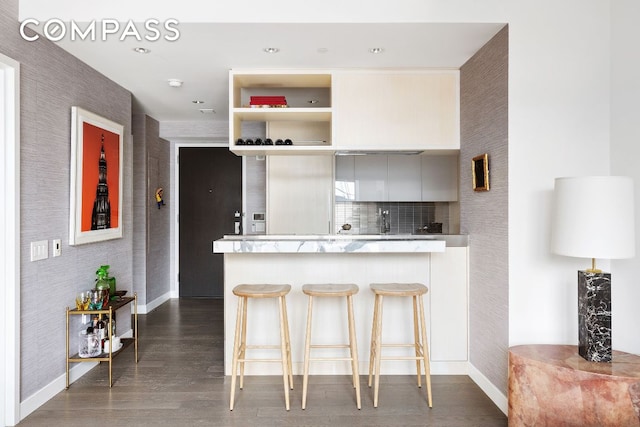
x: 177, y: 144
x: 10, y: 241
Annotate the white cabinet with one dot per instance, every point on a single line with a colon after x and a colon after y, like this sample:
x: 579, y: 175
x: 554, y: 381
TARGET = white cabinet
x: 404, y: 178
x: 396, y: 110
x: 299, y: 88
x: 440, y: 178
x: 299, y: 194
x: 448, y: 309
x: 348, y: 109
x: 370, y: 174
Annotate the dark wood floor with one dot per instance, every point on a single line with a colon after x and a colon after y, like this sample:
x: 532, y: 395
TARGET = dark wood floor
x: 179, y: 381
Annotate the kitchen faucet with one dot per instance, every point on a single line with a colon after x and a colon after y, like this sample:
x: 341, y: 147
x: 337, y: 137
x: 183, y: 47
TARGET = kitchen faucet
x: 386, y: 224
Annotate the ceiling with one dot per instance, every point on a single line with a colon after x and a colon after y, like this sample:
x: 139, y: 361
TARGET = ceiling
x: 204, y: 53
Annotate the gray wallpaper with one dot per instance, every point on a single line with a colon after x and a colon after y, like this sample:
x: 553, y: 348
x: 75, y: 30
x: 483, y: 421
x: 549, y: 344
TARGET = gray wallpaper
x: 484, y: 215
x: 151, y: 226
x: 158, y: 220
x: 53, y: 81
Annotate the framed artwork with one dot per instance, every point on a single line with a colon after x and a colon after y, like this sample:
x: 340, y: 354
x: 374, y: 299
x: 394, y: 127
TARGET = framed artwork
x: 96, y: 178
x: 480, y: 172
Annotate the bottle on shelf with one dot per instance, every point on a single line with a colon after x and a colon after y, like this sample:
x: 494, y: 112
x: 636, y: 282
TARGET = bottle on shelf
x: 101, y: 331
x: 103, y: 285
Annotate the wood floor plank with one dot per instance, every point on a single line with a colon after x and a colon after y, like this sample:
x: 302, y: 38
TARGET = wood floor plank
x: 179, y: 381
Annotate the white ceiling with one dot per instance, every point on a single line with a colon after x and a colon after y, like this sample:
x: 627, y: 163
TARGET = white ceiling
x: 203, y: 54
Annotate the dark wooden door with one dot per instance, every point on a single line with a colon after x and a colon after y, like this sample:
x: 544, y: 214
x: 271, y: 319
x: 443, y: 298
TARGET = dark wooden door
x: 210, y: 193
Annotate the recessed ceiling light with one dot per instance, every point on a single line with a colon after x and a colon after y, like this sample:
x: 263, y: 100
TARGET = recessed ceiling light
x: 376, y: 50
x: 175, y: 82
x: 323, y: 50
x: 197, y: 101
x: 207, y: 111
x: 271, y: 50
x: 141, y: 50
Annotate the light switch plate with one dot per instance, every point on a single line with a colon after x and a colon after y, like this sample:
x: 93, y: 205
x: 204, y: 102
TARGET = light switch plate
x: 39, y: 250
x: 56, y: 245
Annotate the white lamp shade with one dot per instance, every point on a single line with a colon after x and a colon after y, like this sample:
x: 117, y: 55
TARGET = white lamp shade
x: 593, y: 217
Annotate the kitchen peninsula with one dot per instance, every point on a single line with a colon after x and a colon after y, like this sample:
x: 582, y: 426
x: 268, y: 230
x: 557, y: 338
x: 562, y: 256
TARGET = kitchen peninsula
x: 438, y: 261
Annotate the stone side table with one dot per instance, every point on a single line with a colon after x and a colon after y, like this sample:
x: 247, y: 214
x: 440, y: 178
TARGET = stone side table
x: 551, y: 385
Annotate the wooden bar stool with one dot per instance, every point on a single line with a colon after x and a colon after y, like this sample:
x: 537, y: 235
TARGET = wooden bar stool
x: 240, y: 346
x: 331, y: 290
x: 415, y: 290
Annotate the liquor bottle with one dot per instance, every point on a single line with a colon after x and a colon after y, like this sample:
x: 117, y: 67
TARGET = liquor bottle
x: 101, y: 332
x: 103, y: 285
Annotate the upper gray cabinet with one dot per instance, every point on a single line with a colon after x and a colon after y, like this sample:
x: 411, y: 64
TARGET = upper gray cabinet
x: 361, y: 178
x: 370, y: 173
x: 345, y: 183
x: 404, y: 178
x: 440, y: 178
x: 396, y: 178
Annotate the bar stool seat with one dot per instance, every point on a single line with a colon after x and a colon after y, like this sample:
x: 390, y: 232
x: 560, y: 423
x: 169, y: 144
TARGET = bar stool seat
x: 331, y: 290
x: 240, y: 346
x: 416, y: 291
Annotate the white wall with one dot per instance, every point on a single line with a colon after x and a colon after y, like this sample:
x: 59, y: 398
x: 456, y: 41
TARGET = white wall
x: 558, y: 126
x: 625, y: 152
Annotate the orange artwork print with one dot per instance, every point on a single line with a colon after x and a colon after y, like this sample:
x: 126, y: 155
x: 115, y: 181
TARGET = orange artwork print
x: 95, y: 140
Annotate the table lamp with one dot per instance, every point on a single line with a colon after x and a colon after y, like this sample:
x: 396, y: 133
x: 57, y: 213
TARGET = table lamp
x: 593, y: 218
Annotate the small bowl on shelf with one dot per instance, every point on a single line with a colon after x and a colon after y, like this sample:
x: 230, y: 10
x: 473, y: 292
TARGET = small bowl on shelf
x: 118, y: 295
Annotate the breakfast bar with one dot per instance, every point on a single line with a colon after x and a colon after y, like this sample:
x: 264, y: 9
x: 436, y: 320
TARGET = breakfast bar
x: 438, y: 261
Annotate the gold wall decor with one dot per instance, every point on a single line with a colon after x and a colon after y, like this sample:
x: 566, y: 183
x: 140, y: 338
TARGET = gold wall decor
x: 480, y: 172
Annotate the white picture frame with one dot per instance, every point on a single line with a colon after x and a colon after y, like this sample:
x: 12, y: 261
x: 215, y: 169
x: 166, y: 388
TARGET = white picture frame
x: 96, y: 178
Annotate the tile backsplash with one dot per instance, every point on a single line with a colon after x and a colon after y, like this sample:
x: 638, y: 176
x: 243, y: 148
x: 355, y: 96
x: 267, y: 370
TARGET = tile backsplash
x: 403, y: 217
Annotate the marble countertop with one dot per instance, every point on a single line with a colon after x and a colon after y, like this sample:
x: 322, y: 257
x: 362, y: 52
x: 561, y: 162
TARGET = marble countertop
x: 337, y: 243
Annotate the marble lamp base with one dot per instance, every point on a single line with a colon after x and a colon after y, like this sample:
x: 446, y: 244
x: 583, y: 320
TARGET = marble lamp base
x: 594, y: 316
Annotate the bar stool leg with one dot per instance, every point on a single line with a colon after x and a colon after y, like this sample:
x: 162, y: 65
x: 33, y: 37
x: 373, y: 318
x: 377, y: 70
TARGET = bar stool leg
x: 372, y: 356
x: 416, y: 339
x: 378, y: 352
x: 236, y: 344
x: 288, y: 342
x: 283, y: 349
x: 353, y: 345
x: 243, y: 340
x: 307, y: 349
x: 425, y: 350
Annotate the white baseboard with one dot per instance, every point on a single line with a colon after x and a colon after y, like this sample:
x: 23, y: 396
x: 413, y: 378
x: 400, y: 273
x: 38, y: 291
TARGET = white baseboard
x: 489, y: 389
x: 149, y: 307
